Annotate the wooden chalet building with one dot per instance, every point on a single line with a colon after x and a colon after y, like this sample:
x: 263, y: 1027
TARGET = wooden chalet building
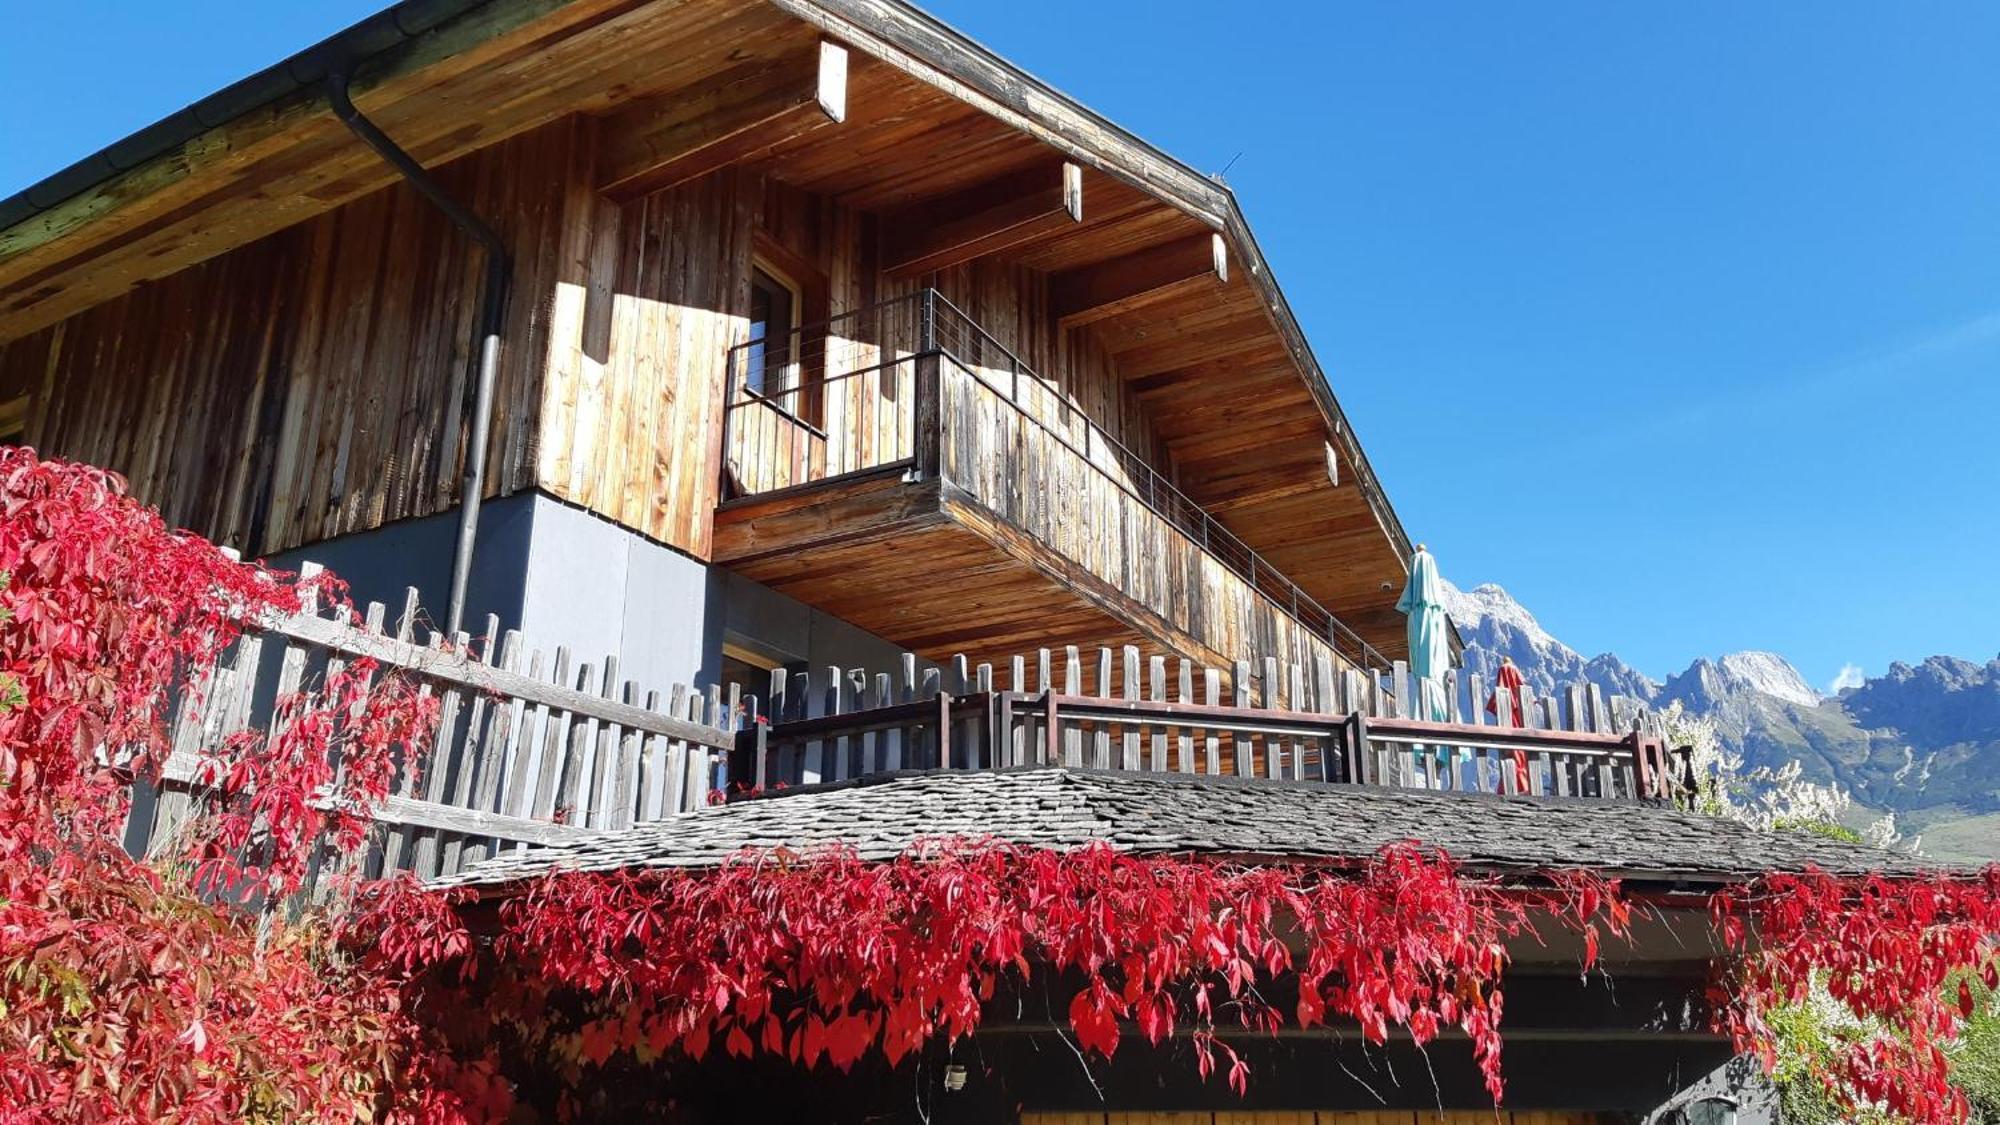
x: 739, y: 238
x: 779, y: 335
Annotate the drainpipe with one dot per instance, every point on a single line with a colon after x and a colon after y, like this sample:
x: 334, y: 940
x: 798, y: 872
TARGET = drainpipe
x: 492, y: 309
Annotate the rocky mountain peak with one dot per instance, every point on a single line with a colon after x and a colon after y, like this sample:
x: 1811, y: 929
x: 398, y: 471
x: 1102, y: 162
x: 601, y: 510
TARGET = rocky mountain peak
x: 1494, y: 625
x: 1922, y: 739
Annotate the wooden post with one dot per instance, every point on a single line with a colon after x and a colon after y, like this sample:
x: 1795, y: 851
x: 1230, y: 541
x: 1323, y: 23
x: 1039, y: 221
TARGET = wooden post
x: 1274, y: 766
x: 1100, y: 742
x: 499, y: 746
x: 1211, y: 694
x: 904, y: 748
x: 1072, y: 685
x: 1185, y: 743
x: 944, y: 729
x: 1324, y: 703
x: 1245, y: 746
x: 1642, y: 775
x: 1017, y: 739
x: 604, y: 752
x: 885, y: 742
x: 927, y: 414
x: 1129, y: 759
x: 555, y: 733
x: 1156, y: 685
x: 652, y: 769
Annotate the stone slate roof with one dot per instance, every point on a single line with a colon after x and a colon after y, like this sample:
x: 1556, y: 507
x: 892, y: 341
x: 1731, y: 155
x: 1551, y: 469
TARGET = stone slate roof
x: 1060, y: 807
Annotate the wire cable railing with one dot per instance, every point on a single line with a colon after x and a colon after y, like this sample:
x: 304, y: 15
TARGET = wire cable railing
x: 839, y: 397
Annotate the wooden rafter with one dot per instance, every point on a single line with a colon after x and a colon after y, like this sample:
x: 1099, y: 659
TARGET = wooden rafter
x: 674, y: 138
x: 1007, y: 212
x: 1158, y: 273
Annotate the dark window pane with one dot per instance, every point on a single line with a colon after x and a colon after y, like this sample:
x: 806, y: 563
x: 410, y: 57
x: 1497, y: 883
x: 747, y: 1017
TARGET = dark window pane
x: 771, y: 326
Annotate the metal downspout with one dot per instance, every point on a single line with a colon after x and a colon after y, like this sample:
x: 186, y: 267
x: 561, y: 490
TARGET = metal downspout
x: 492, y: 310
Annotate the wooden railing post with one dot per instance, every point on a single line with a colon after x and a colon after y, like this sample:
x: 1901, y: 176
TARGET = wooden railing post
x: 1643, y: 784
x: 944, y: 730
x: 927, y: 412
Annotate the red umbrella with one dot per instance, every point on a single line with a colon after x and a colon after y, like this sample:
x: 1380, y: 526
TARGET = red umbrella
x: 1509, y: 678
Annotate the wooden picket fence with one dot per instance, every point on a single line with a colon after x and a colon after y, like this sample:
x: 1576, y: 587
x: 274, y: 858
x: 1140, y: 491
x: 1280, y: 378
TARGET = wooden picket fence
x: 1326, y: 724
x: 542, y: 750
x: 528, y: 749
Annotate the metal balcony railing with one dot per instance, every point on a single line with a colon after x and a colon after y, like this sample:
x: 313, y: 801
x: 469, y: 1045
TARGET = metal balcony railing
x: 880, y: 386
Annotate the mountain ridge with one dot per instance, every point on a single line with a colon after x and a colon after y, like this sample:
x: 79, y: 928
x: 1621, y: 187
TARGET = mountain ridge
x: 1921, y: 740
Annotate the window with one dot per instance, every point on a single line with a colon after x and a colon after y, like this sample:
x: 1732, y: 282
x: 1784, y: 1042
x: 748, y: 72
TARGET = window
x: 750, y: 670
x: 785, y: 359
x: 772, y: 368
x: 14, y: 421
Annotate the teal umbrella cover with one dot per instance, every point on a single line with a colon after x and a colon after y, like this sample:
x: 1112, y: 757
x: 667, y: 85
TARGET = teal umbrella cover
x: 1429, y: 632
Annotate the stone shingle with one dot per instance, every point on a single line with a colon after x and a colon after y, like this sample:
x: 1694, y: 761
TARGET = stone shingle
x: 1059, y: 807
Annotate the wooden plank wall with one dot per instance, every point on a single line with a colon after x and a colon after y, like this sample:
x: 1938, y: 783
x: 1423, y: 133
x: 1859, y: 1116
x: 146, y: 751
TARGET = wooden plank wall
x: 863, y: 406
x: 1078, y: 377
x: 651, y: 297
x: 308, y: 384
x: 1065, y: 493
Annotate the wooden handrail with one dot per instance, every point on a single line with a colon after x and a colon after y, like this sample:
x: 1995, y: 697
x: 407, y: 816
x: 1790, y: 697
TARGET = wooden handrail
x: 1351, y: 737
x: 461, y: 670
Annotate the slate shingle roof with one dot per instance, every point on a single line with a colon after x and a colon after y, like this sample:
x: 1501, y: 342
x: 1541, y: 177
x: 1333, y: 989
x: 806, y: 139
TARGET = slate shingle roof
x: 1059, y: 807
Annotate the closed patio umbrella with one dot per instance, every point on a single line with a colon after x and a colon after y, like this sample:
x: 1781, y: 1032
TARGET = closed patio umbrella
x: 1430, y: 650
x: 1508, y: 678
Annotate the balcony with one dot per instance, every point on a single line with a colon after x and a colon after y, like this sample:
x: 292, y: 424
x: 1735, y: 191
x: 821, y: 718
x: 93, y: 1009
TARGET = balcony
x: 901, y: 468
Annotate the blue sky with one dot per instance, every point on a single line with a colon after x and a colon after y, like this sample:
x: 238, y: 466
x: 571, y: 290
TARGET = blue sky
x: 1682, y: 322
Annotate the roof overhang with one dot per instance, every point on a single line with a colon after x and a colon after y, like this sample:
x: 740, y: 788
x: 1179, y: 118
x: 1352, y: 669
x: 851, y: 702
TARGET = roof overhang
x: 447, y: 77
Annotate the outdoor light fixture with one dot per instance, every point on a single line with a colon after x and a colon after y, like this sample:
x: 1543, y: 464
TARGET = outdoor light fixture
x: 954, y: 1077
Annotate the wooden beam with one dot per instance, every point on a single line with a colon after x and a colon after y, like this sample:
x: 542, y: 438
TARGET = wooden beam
x: 987, y: 219
x: 676, y: 137
x: 1158, y: 273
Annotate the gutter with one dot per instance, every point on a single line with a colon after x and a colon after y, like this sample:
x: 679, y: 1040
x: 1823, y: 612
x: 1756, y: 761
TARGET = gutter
x: 382, y: 32
x: 492, y: 313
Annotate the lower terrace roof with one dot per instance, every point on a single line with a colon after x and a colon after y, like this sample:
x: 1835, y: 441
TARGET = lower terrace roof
x: 1063, y: 808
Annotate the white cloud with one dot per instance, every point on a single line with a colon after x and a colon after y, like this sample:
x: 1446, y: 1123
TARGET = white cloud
x: 1851, y: 676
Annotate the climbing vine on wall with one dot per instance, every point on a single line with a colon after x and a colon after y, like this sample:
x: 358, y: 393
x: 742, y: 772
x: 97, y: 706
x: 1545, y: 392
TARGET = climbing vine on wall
x: 1886, y: 949
x: 131, y: 987
x: 136, y: 990
x: 824, y: 957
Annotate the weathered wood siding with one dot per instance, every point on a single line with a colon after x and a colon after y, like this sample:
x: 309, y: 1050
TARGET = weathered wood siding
x: 864, y: 392
x: 310, y: 383
x: 651, y: 296
x: 1104, y: 525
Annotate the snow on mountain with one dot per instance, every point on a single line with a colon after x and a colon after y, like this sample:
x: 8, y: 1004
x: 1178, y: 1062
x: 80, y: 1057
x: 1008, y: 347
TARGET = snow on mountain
x: 1709, y: 683
x: 1923, y: 740
x: 1475, y: 608
x: 1494, y: 625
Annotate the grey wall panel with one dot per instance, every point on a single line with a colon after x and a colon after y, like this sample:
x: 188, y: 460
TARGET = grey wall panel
x: 380, y: 564
x: 566, y: 577
x: 787, y: 629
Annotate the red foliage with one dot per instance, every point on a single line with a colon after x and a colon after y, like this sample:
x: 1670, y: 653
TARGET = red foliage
x: 827, y: 956
x: 1885, y: 948
x: 123, y: 994
x: 127, y: 987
